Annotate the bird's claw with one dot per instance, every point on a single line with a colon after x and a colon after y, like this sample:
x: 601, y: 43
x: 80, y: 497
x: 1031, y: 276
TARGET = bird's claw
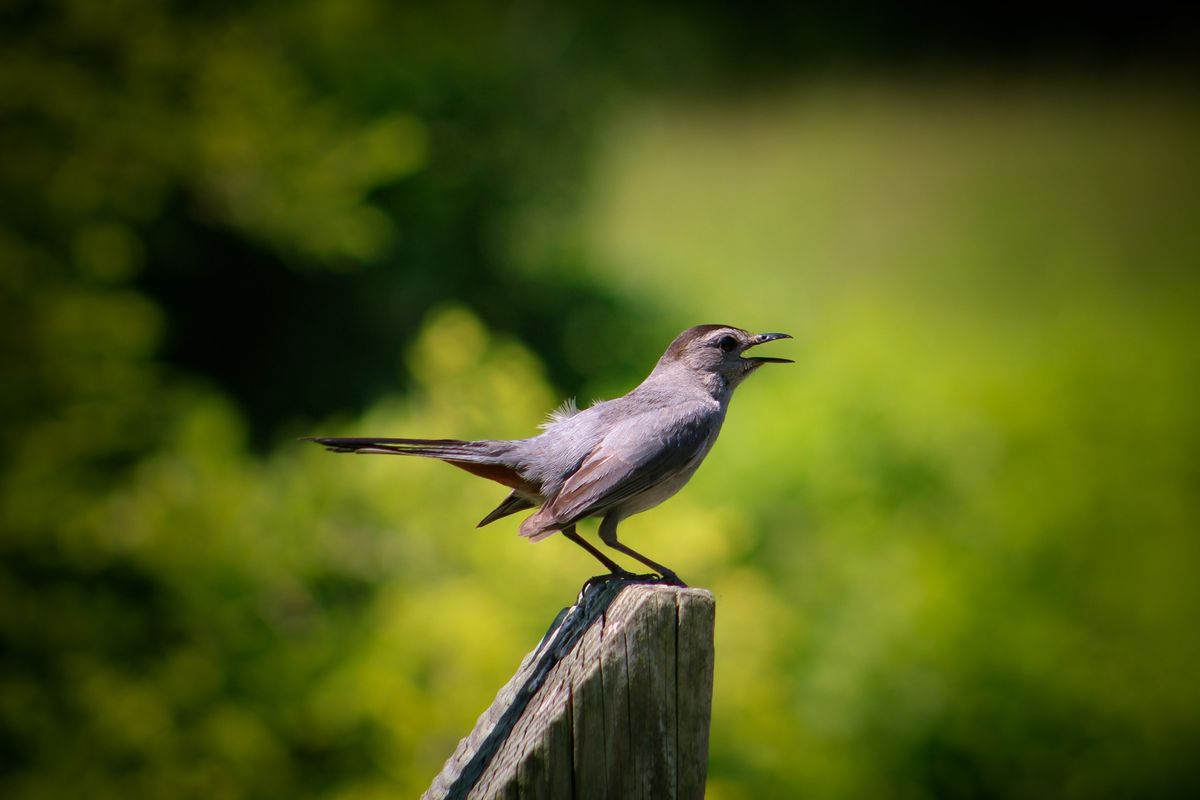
x: 671, y: 579
x: 597, y: 580
x: 625, y: 576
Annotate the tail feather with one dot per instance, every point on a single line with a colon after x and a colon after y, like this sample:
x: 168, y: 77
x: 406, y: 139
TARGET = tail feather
x: 511, y: 505
x: 483, y: 458
x: 446, y: 449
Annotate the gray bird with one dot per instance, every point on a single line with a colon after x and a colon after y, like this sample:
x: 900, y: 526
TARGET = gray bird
x: 613, y: 459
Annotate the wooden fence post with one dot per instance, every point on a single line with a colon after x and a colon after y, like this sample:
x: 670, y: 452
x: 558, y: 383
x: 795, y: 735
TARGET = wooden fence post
x: 613, y: 703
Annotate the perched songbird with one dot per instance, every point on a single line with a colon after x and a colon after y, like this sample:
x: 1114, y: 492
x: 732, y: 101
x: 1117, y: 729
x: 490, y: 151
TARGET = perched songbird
x: 613, y: 459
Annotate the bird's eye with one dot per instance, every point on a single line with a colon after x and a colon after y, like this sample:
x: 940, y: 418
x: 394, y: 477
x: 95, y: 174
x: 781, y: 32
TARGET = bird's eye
x: 727, y: 343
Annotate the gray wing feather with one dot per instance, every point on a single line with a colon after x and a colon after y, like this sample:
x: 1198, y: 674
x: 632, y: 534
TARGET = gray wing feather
x: 629, y: 461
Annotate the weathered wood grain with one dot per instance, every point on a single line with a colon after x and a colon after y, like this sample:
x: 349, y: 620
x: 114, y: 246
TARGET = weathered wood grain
x: 693, y: 699
x: 613, y: 703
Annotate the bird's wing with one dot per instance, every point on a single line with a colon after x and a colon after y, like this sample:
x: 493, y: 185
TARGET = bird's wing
x: 631, y: 459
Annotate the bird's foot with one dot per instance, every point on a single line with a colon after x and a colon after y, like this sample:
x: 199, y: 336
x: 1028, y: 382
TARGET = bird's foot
x: 625, y: 576
x: 670, y: 579
x: 622, y: 575
x: 599, y: 580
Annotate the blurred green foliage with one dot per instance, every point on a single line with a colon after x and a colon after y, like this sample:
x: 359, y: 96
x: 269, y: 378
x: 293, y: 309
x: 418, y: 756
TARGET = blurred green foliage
x: 955, y: 547
x: 293, y: 186
x: 968, y: 561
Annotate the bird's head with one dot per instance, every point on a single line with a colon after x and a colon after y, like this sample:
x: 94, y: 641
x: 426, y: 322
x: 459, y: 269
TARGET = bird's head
x: 719, y: 351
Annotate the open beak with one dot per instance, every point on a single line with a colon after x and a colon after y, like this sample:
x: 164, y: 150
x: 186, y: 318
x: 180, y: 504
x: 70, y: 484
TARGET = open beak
x: 763, y: 338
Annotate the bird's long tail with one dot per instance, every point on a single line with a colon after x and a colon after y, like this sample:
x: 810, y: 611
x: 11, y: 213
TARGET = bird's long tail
x: 445, y: 449
x: 485, y: 458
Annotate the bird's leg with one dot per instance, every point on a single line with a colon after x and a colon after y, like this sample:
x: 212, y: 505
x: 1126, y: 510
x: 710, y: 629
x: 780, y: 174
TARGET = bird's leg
x: 608, y: 534
x: 616, y: 569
